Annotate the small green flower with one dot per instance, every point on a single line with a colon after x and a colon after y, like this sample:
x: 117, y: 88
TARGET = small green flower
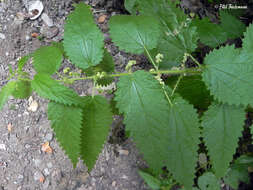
x: 158, y: 58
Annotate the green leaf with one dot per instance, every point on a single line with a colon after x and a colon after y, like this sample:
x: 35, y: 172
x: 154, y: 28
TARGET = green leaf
x: 106, y: 65
x: 66, y: 122
x: 134, y: 33
x: 152, y: 182
x: 231, y: 25
x: 83, y: 41
x: 238, y: 172
x: 48, y: 88
x: 170, y: 16
x: 47, y: 59
x: 97, y: 119
x: 183, y: 140
x: 59, y: 45
x: 170, y: 130
x: 140, y: 96
x: 208, y: 181
x: 191, y: 87
x: 22, y: 89
x: 5, y: 92
x: 209, y: 33
x: 247, y: 44
x: 23, y: 60
x: 228, y: 75
x: 130, y: 5
x: 177, y: 37
x: 222, y: 127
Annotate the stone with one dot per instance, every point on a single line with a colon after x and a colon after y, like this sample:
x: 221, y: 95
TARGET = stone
x: 2, y: 36
x: 49, y: 136
x: 49, y: 32
x: 2, y: 147
x: 37, y: 176
x: 48, y: 21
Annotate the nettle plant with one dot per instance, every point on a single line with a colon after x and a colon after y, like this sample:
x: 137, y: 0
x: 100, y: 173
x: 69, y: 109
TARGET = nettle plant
x: 170, y: 111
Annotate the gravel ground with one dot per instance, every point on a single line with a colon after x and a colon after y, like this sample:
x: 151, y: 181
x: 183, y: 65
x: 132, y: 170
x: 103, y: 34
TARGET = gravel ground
x: 24, y: 164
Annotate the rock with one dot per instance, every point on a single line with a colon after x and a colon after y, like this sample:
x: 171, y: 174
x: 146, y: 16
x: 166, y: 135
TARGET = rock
x: 114, y: 183
x: 46, y: 171
x: 37, y: 162
x: 49, y: 32
x: 2, y: 147
x: 33, y: 106
x: 123, y: 152
x: 101, y: 19
x: 37, y: 176
x: 35, y: 9
x: 48, y: 21
x: 2, y: 36
x: 49, y: 137
x: 49, y: 165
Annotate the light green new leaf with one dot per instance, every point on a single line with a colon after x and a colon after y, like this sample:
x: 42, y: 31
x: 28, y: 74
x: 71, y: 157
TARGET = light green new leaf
x: 5, y: 92
x: 228, y: 75
x: 97, y: 119
x: 22, y: 89
x: 247, y: 44
x: 66, y: 122
x: 48, y: 88
x: 23, y: 60
x: 140, y: 96
x: 222, y: 127
x: 83, y: 41
x: 183, y: 140
x: 231, y: 25
x: 208, y: 181
x: 152, y: 182
x: 134, y: 33
x: 47, y: 59
x: 209, y: 33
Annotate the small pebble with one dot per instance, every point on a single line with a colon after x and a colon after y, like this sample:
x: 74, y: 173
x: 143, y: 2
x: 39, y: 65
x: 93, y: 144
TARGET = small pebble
x: 123, y: 152
x: 114, y: 183
x: 46, y: 172
x: 49, y: 137
x: 37, y: 176
x: 2, y: 36
x: 49, y: 165
x: 2, y: 147
x: 48, y: 21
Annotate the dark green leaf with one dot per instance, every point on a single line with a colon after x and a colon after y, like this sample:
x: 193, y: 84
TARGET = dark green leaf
x: 134, y: 33
x: 152, y: 182
x: 47, y: 59
x: 83, y: 41
x: 97, y: 119
x: 67, y: 122
x: 48, y: 88
x: 22, y: 89
x: 209, y: 33
x: 222, y: 127
x: 228, y: 75
x: 5, y: 92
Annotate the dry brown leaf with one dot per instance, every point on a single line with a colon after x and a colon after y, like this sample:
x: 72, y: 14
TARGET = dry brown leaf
x: 34, y: 35
x: 101, y: 19
x: 46, y: 148
x: 42, y: 179
x: 9, y: 127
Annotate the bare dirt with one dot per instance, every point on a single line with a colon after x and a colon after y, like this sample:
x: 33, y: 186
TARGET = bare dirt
x: 23, y: 163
